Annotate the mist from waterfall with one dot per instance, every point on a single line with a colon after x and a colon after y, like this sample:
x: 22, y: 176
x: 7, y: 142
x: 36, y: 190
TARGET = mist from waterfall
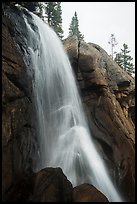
x: 64, y: 137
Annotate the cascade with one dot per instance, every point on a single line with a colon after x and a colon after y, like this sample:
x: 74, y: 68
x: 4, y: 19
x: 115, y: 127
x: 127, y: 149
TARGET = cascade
x: 63, y: 134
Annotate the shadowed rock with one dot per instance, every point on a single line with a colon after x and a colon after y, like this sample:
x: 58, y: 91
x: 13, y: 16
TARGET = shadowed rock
x: 19, y: 146
x: 51, y: 185
x: 47, y: 185
x: 88, y: 193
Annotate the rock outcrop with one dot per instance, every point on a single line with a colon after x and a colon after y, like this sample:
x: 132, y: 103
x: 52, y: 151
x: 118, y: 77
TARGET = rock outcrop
x: 51, y: 185
x: 108, y: 99
x: 47, y: 185
x: 87, y: 193
x: 19, y: 146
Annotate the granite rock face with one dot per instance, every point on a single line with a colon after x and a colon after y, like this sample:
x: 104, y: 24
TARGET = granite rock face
x: 19, y: 146
x: 108, y: 95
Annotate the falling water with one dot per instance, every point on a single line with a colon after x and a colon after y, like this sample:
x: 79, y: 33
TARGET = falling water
x: 64, y: 137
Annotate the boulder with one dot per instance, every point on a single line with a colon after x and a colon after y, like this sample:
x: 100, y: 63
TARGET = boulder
x: 51, y: 185
x: 88, y: 193
x: 47, y: 185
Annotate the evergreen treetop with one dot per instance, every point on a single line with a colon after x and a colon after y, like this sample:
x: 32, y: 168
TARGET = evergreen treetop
x: 124, y: 60
x: 74, y: 27
x: 54, y: 16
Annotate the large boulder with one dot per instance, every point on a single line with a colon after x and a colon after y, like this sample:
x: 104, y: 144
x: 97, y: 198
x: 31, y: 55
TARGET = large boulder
x: 51, y: 185
x: 108, y: 100
x: 47, y: 185
x: 87, y: 193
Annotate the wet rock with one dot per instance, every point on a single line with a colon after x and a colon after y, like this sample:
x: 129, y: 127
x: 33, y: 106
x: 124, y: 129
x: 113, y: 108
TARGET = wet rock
x: 108, y: 100
x: 51, y: 185
x: 88, y: 193
x: 47, y: 185
x: 73, y: 53
x: 19, y: 145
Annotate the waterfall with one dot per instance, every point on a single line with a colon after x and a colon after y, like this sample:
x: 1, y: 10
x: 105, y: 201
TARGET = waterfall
x: 64, y: 137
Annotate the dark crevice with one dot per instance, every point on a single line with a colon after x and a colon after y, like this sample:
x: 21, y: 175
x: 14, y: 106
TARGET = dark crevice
x: 97, y: 48
x: 8, y: 59
x: 17, y: 83
x: 8, y: 142
x: 11, y: 100
x: 9, y: 188
x: 9, y: 64
x: 88, y: 71
x: 125, y: 83
x: 98, y: 89
x: 79, y: 43
x: 99, y: 124
x: 106, y: 148
x: 28, y: 126
x: 89, y: 99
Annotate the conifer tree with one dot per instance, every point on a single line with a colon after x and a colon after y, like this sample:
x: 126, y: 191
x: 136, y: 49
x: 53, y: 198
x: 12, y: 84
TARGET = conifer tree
x: 118, y: 59
x: 124, y: 60
x: 57, y: 19
x: 54, y: 16
x: 74, y: 27
x: 40, y: 8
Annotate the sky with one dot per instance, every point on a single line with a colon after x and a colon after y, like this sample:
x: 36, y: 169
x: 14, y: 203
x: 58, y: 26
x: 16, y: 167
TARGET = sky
x: 98, y: 20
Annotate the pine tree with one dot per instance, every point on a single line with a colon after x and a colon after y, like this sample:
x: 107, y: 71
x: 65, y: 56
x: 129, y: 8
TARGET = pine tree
x: 127, y: 65
x: 74, y: 27
x: 57, y: 19
x: 50, y: 12
x: 54, y: 16
x: 39, y: 10
x: 118, y: 59
x: 124, y: 60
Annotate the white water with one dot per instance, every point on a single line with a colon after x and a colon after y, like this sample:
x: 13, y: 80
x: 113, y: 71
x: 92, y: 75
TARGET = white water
x: 64, y: 137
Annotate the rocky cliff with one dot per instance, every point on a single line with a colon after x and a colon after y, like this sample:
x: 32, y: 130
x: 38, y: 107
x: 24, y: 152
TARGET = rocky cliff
x: 108, y: 95
x: 108, y: 98
x: 19, y: 146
